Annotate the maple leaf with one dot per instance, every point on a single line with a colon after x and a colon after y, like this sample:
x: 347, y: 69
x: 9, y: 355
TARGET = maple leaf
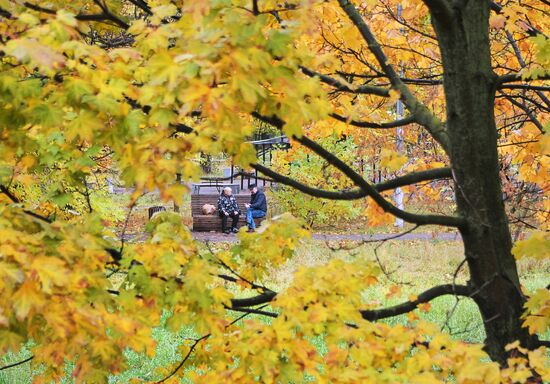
x: 25, y: 298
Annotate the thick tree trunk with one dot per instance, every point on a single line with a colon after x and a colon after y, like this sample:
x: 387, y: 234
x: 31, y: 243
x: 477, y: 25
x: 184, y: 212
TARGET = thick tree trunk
x: 469, y: 84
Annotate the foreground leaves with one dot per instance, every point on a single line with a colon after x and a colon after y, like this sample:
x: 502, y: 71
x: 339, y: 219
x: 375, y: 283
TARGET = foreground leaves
x: 185, y: 82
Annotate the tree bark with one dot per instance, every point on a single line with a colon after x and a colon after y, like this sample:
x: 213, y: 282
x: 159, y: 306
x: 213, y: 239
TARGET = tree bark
x: 469, y: 84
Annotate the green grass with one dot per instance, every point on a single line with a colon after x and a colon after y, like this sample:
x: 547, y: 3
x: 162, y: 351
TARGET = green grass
x: 417, y: 264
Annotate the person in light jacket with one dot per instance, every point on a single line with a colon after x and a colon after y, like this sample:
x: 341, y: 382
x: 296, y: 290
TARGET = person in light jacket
x: 228, y: 207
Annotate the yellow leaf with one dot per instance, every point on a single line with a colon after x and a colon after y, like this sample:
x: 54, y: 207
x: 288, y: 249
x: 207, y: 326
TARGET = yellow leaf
x: 27, y: 297
x: 497, y: 21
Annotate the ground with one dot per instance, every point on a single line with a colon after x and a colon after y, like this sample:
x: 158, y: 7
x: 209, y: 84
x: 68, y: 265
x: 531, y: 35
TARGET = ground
x: 447, y: 236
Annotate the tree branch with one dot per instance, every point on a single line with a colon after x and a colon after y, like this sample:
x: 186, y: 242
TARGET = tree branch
x: 423, y: 115
x: 197, y: 341
x: 15, y: 200
x: 527, y: 87
x: 106, y: 15
x: 315, y: 192
x: 142, y: 5
x: 17, y: 363
x: 262, y: 298
x: 512, y: 77
x: 367, y: 124
x: 362, y: 89
x: 408, y: 179
x: 527, y: 111
x: 448, y: 221
x: 253, y: 311
x: 408, y: 306
x: 414, y: 177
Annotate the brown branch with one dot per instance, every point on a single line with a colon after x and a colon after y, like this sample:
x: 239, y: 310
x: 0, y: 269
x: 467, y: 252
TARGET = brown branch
x: 414, y: 177
x: 408, y: 306
x: 527, y: 87
x: 262, y: 298
x: 532, y: 117
x: 255, y: 7
x: 192, y: 348
x: 315, y: 192
x: 253, y: 311
x: 358, y: 180
x: 449, y: 221
x: 182, y: 362
x: 142, y: 5
x: 17, y: 363
x: 15, y: 200
x: 367, y: 124
x: 361, y: 89
x: 422, y: 114
x: 106, y: 15
x: 513, y: 77
x: 408, y: 179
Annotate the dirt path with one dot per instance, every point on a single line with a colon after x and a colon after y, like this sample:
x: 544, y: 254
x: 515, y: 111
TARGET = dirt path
x: 452, y: 236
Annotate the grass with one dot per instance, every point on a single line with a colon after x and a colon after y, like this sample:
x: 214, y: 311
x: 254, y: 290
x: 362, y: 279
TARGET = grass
x: 415, y: 266
x: 418, y: 265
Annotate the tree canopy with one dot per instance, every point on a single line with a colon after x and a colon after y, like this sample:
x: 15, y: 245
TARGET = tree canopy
x: 145, y: 86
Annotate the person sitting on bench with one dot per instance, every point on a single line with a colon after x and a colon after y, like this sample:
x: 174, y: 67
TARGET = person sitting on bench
x: 228, y: 207
x: 256, y: 208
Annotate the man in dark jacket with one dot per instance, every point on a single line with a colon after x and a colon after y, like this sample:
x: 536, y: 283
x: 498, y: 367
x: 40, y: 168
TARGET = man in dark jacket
x: 228, y: 207
x: 256, y: 208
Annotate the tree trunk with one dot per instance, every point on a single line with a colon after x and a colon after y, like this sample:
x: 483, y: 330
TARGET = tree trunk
x: 469, y: 85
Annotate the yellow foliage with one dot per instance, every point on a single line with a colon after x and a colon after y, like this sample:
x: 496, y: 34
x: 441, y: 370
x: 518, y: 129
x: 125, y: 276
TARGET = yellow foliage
x: 184, y: 78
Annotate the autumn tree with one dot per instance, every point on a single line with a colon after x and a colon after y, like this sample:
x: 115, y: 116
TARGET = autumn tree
x: 153, y: 84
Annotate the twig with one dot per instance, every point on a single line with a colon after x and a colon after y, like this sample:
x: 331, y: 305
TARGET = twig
x: 197, y: 341
x: 17, y: 363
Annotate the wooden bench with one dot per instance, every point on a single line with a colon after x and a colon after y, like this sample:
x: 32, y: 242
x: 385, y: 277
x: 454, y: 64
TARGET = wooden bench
x: 205, y: 223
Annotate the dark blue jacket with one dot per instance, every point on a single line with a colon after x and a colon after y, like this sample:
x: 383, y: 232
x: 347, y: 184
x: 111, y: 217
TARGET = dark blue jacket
x: 258, y: 201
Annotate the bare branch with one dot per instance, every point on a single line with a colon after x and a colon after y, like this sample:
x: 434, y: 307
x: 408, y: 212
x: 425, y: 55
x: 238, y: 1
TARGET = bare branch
x: 414, y: 177
x: 422, y: 114
x: 15, y: 200
x: 362, y: 89
x: 526, y: 87
x: 182, y: 362
x: 105, y: 16
x: 262, y: 298
x: 408, y: 179
x: 142, y: 5
x: 197, y: 341
x: 253, y: 311
x: 527, y: 111
x: 367, y: 124
x: 315, y: 192
x: 513, y: 77
x: 17, y: 363
x: 408, y: 306
x: 449, y: 221
x: 255, y: 8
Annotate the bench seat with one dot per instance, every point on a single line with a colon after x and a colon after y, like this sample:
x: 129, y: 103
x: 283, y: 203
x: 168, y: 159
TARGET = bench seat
x: 207, y: 223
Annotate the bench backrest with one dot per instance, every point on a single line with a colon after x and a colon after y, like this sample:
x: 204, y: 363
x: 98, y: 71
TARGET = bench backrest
x: 197, y: 201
